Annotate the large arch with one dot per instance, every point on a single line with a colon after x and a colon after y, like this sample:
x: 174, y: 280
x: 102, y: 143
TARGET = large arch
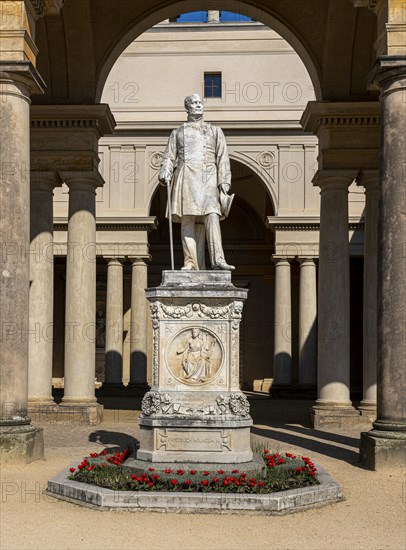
x: 174, y: 8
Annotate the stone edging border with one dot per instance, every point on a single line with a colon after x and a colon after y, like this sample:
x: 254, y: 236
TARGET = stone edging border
x: 283, y: 502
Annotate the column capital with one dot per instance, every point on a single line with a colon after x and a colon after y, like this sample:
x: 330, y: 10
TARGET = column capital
x: 387, y: 70
x: 22, y: 72
x: 334, y: 180
x: 139, y: 260
x: 88, y: 178
x: 307, y: 260
x: 114, y: 260
x: 44, y: 179
x: 368, y: 179
x: 282, y: 260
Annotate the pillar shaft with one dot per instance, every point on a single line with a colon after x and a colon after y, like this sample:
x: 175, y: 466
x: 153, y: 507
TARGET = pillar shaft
x: 391, y: 255
x: 139, y: 317
x: 80, y: 310
x: 15, y: 237
x: 41, y: 289
x: 370, y: 181
x: 385, y: 445
x: 307, y: 323
x: 114, y: 323
x: 19, y: 440
x: 283, y: 324
x: 334, y: 290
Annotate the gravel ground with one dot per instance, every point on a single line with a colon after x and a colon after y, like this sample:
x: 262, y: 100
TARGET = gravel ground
x: 371, y: 517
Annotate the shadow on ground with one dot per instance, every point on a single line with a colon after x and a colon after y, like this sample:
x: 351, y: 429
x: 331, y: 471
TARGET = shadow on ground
x: 307, y: 440
x: 114, y: 440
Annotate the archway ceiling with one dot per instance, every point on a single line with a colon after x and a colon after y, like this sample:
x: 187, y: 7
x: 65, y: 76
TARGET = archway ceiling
x: 80, y: 45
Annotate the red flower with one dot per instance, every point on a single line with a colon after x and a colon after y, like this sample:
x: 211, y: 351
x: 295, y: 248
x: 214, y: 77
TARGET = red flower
x: 155, y: 476
x: 220, y: 472
x: 226, y: 482
x: 133, y: 476
x: 235, y: 471
x: 72, y: 470
x: 168, y: 471
x: 266, y: 451
x: 151, y: 483
x: 193, y: 472
x: 215, y: 479
x: 206, y: 473
x: 261, y: 483
x: 205, y: 482
x: 180, y: 472
x: 188, y: 482
x: 151, y: 469
x: 104, y: 452
x: 174, y: 482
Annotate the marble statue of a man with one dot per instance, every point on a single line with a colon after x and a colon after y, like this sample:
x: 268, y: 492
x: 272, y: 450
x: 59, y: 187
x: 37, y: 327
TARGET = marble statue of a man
x: 197, y: 158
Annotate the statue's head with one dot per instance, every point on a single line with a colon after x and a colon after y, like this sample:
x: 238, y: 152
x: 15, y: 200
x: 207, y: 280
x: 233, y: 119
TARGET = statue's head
x: 194, y: 104
x: 195, y: 332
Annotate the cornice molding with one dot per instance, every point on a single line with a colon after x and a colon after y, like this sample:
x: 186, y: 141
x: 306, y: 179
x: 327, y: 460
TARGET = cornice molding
x: 328, y: 114
x: 73, y: 116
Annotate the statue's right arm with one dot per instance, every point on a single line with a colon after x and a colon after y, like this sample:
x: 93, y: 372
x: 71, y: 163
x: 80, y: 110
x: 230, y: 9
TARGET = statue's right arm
x: 168, y: 160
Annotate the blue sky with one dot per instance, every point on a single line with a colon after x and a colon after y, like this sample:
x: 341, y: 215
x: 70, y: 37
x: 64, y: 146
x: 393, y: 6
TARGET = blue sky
x: 201, y: 16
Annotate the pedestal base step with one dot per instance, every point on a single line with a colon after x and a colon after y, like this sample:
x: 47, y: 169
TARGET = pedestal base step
x: 337, y: 418
x: 379, y: 453
x: 218, y: 443
x: 21, y: 444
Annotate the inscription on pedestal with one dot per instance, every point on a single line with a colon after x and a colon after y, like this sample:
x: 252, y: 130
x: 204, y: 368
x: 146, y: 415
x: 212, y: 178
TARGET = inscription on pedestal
x: 204, y: 440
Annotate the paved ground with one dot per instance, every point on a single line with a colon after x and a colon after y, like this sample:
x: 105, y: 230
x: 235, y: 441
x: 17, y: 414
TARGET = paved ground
x: 372, y: 516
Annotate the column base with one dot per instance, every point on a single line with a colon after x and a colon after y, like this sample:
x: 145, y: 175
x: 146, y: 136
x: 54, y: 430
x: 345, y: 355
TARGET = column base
x: 81, y: 413
x: 21, y: 444
x: 368, y: 409
x: 334, y: 416
x: 381, y: 450
x: 43, y: 411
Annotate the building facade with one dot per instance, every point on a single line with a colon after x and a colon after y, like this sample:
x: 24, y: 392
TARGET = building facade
x: 303, y: 131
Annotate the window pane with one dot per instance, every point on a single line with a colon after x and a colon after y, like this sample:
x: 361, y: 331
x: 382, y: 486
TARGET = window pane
x: 212, y: 84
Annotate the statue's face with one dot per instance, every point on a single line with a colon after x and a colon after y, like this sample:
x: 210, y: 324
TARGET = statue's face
x: 195, y: 332
x: 195, y: 105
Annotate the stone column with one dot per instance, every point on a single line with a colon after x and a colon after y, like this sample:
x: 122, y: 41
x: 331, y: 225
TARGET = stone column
x: 19, y: 440
x: 385, y: 444
x: 114, y: 324
x: 370, y: 180
x: 307, y: 323
x: 80, y: 313
x: 282, y: 365
x: 139, y: 319
x: 333, y: 408
x: 41, y: 307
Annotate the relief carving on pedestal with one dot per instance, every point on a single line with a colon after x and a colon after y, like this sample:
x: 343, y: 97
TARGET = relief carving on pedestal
x: 162, y: 404
x: 194, y: 356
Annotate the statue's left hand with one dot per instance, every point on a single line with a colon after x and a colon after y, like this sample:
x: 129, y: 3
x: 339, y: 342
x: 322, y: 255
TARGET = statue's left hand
x: 225, y: 187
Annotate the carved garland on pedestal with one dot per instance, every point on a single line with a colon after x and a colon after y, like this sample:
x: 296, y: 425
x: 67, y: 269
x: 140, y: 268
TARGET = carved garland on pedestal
x: 162, y: 403
x: 197, y: 310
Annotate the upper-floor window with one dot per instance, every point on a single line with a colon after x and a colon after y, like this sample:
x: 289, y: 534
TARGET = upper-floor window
x: 212, y: 84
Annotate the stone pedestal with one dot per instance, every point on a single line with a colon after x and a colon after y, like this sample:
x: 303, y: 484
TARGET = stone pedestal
x: 195, y: 411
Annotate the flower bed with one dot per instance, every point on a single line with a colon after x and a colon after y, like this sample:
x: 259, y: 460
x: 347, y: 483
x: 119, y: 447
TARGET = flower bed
x: 279, y: 473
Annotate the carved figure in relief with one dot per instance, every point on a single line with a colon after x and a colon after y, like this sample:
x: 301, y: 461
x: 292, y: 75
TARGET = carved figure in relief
x: 197, y: 158
x: 197, y: 351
